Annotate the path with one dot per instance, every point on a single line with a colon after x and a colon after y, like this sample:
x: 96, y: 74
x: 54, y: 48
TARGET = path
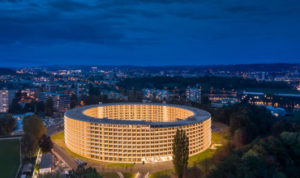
x: 65, y: 156
x: 10, y: 138
x: 120, y: 174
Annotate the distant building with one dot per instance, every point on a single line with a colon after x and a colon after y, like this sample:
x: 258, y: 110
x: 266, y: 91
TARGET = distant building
x: 115, y: 95
x: 193, y: 94
x: 224, y: 95
x: 29, y: 92
x: 82, y: 89
x: 6, y: 97
x: 27, y: 169
x: 257, y: 98
x: 224, y: 102
x: 298, y: 87
x: 156, y: 94
x: 46, y: 164
x: 61, y: 102
x: 288, y: 101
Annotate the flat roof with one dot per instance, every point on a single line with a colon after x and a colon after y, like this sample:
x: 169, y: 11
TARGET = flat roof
x: 51, y: 93
x: 77, y: 114
x: 287, y: 95
x: 46, y: 160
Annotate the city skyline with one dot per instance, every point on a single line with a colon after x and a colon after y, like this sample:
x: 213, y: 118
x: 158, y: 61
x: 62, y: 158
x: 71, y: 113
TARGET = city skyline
x: 148, y: 32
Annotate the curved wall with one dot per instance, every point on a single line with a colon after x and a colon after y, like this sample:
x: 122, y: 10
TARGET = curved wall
x: 131, y: 133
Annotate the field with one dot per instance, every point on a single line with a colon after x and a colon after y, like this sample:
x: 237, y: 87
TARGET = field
x: 9, y: 158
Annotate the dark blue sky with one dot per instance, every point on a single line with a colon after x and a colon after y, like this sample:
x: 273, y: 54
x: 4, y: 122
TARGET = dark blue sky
x: 149, y: 32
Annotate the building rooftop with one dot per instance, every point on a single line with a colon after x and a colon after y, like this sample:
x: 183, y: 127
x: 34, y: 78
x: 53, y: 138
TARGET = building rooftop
x: 287, y: 95
x: 46, y: 161
x: 50, y: 93
x: 199, y: 116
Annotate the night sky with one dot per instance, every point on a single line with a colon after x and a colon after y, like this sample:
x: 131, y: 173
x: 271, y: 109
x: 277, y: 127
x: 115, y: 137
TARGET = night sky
x: 148, y: 32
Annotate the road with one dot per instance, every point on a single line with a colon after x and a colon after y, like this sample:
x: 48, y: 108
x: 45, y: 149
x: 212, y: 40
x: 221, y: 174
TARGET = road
x: 64, y: 155
x: 10, y: 138
x: 53, y: 129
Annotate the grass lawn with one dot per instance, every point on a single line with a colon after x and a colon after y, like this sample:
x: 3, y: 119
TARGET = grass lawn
x: 163, y: 174
x: 120, y: 164
x: 219, y: 138
x: 197, y: 159
x: 128, y: 175
x: 9, y: 158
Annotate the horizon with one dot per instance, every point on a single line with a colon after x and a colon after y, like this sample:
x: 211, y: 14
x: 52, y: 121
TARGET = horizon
x: 135, y: 65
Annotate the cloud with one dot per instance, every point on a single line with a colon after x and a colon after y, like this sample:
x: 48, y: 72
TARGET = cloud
x: 12, y: 1
x: 70, y: 5
x: 244, y: 8
x: 134, y: 23
x: 194, y: 14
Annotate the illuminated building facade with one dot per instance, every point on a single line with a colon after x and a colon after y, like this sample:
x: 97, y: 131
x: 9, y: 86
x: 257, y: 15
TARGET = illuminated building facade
x: 6, y: 97
x: 134, y: 132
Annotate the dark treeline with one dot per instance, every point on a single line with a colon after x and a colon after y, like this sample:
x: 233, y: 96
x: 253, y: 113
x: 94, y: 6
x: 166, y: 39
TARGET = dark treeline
x: 275, y: 67
x: 6, y: 71
x: 246, y: 121
x: 265, y: 157
x: 7, y: 124
x: 206, y: 82
x: 260, y: 145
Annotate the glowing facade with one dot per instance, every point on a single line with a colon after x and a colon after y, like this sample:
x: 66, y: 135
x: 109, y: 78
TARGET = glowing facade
x: 134, y: 132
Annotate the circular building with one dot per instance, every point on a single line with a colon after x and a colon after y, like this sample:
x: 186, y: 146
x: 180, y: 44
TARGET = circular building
x: 134, y: 132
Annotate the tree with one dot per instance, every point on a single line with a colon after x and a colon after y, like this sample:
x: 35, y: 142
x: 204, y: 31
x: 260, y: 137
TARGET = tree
x: 7, y: 124
x: 74, y: 101
x: 93, y: 99
x: 205, y: 100
x: 194, y: 172
x: 180, y: 152
x: 254, y: 121
x: 239, y: 138
x: 29, y: 145
x: 34, y: 126
x: 93, y: 90
x: 39, y: 107
x: 49, y: 107
x: 81, y: 172
x: 15, y: 107
x: 45, y: 143
x: 266, y: 157
x: 29, y: 107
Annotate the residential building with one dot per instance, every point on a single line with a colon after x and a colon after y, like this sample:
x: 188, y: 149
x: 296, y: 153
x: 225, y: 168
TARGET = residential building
x: 193, y: 94
x: 6, y: 97
x: 46, y: 164
x: 61, y: 102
